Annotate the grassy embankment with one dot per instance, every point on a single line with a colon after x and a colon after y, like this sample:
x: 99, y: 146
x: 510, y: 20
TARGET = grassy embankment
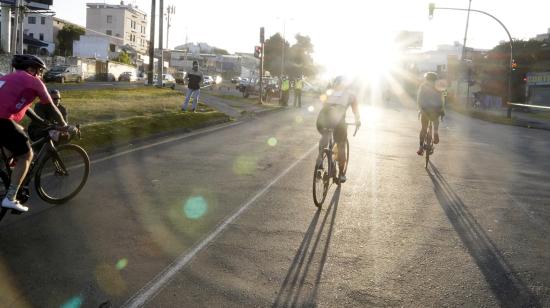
x: 115, y: 116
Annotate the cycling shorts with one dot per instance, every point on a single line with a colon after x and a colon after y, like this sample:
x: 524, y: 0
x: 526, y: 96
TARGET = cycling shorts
x: 333, y: 117
x: 13, y: 137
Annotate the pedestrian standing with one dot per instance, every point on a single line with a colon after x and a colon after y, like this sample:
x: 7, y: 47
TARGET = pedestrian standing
x: 194, y: 80
x: 285, y: 88
x: 298, y: 85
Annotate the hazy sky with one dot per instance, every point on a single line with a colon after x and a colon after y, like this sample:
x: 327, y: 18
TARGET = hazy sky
x: 339, y: 27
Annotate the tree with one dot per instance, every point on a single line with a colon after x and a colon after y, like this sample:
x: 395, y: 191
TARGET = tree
x: 125, y: 58
x: 66, y: 37
x: 298, y: 57
x: 219, y: 51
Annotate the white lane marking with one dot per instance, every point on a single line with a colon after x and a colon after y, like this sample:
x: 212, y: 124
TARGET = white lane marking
x: 161, y: 280
x: 189, y: 135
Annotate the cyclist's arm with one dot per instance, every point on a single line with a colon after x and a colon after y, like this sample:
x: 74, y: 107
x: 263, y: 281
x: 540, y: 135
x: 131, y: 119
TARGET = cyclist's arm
x: 34, y: 117
x: 355, y: 109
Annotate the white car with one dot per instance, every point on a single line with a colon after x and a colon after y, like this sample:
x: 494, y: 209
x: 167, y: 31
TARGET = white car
x: 208, y: 80
x: 167, y: 81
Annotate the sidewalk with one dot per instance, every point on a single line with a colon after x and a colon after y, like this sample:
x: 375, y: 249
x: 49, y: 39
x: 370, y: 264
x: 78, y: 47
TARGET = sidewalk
x: 237, y: 107
x: 538, y: 120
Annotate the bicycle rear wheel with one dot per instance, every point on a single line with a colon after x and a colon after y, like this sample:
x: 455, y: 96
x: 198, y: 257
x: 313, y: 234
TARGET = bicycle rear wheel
x: 347, y: 158
x: 61, y: 177
x: 321, y: 180
x: 4, y: 185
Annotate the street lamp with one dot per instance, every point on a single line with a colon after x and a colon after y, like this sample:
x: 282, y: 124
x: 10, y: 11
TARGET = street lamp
x: 432, y: 7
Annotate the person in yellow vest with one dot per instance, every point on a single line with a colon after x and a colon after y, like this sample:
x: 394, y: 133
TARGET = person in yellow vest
x: 298, y: 86
x: 285, y: 88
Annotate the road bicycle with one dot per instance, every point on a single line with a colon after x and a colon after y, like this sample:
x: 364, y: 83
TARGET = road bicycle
x: 328, y: 171
x: 428, y: 144
x: 60, y: 169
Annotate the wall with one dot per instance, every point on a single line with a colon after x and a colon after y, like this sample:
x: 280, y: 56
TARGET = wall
x: 115, y: 69
x: 92, y: 47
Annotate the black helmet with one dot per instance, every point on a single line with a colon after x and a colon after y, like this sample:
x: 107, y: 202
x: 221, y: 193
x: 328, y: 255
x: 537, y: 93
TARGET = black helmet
x: 430, y: 76
x: 22, y: 62
x: 54, y: 92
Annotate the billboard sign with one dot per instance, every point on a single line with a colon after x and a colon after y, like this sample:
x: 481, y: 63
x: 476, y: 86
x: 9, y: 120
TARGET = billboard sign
x: 33, y: 5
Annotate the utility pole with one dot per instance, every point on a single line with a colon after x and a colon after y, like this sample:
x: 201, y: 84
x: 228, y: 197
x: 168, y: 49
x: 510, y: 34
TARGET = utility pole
x: 152, y: 45
x: 161, y: 49
x: 13, y: 44
x: 262, y: 40
x: 169, y: 12
x: 21, y: 28
x: 464, y: 55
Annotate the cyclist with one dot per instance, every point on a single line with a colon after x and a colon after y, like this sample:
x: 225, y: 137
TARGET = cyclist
x: 430, y: 105
x: 333, y: 116
x: 17, y: 91
x: 46, y: 112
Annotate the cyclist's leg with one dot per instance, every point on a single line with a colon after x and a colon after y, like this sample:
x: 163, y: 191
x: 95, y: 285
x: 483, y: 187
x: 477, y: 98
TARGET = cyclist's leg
x: 435, y: 121
x: 423, y: 131
x: 340, y: 136
x: 16, y: 141
x: 322, y: 127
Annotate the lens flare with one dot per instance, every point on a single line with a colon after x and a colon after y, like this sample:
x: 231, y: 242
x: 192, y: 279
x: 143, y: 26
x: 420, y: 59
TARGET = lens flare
x: 195, y: 207
x: 323, y: 98
x: 74, y: 302
x: 310, y: 108
x: 121, y: 264
x: 110, y: 280
x: 272, y: 141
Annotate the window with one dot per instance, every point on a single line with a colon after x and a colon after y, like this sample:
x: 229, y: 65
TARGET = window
x: 112, y: 47
x: 43, y: 20
x: 31, y: 35
x: 41, y: 36
x: 109, y: 19
x: 109, y: 32
x: 32, y: 20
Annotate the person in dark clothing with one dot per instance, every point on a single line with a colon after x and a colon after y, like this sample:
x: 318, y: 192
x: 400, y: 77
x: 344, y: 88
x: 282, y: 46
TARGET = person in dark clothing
x: 194, y: 79
x: 46, y: 113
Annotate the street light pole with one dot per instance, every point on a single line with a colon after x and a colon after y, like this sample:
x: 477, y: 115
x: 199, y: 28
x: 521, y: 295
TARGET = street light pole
x: 161, y: 49
x: 151, y: 69
x: 432, y: 7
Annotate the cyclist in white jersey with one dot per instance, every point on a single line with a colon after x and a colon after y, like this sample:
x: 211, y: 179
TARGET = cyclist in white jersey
x: 333, y: 116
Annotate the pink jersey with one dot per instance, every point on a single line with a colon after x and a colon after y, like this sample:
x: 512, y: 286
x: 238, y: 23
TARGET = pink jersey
x: 17, y: 91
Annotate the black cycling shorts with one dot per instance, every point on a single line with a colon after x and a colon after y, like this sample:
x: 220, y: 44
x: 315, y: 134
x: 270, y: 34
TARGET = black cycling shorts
x: 13, y: 138
x: 333, y: 117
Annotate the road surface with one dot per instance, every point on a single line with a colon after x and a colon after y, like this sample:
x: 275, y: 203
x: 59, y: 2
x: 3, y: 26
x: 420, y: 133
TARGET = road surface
x: 224, y: 218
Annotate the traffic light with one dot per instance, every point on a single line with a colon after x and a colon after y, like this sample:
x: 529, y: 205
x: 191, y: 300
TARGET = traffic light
x: 258, y: 52
x: 514, y: 65
x: 431, y: 9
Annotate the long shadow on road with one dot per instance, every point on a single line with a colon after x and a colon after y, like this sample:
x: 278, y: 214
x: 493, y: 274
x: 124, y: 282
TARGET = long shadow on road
x: 509, y: 290
x: 291, y: 290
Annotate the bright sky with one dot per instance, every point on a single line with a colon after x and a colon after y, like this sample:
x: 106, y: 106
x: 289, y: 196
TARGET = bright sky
x: 338, y: 28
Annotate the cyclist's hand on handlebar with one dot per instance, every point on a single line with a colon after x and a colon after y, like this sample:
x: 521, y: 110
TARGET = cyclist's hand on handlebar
x: 358, y: 123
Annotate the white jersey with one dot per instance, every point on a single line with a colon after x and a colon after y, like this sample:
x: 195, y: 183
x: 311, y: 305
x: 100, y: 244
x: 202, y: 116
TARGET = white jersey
x: 340, y: 98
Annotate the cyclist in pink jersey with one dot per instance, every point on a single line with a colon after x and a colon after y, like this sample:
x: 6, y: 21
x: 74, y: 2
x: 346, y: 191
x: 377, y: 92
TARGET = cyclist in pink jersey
x: 17, y: 92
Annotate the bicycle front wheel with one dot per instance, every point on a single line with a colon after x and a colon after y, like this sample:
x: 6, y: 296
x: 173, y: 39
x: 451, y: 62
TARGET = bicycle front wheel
x: 61, y: 177
x: 347, y: 158
x: 321, y: 178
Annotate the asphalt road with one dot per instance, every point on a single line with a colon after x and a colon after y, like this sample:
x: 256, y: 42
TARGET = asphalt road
x: 225, y: 218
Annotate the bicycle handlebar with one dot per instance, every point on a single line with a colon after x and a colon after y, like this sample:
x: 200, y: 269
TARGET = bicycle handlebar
x: 356, y: 127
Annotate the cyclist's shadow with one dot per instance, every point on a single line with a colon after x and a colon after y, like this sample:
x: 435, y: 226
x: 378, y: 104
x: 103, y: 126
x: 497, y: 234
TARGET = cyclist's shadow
x: 290, y: 293
x: 509, y: 289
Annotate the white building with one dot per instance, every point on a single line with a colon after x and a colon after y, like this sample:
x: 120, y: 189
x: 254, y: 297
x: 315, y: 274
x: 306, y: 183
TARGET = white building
x: 92, y: 46
x: 124, y: 25
x: 543, y: 37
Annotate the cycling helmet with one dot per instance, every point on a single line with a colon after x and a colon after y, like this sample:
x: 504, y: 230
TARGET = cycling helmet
x: 22, y: 62
x: 54, y: 92
x: 339, y: 80
x: 430, y: 76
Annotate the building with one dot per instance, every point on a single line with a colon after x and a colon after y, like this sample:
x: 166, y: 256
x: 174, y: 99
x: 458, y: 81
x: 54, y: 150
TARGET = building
x: 124, y: 25
x: 543, y: 37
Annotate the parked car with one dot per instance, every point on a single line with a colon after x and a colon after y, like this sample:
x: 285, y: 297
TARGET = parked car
x: 127, y: 76
x: 64, y: 73
x: 180, y: 77
x: 242, y: 84
x: 270, y: 88
x: 167, y: 81
x: 208, y: 80
x: 236, y: 80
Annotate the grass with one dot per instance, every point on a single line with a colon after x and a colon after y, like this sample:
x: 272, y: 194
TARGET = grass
x: 115, y: 116
x: 102, y: 134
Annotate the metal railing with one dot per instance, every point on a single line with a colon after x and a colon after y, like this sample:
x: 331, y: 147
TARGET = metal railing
x: 512, y: 105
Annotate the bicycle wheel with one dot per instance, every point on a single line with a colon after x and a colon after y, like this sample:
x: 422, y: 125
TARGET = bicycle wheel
x: 347, y: 158
x: 321, y: 182
x: 4, y: 185
x: 59, y: 178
